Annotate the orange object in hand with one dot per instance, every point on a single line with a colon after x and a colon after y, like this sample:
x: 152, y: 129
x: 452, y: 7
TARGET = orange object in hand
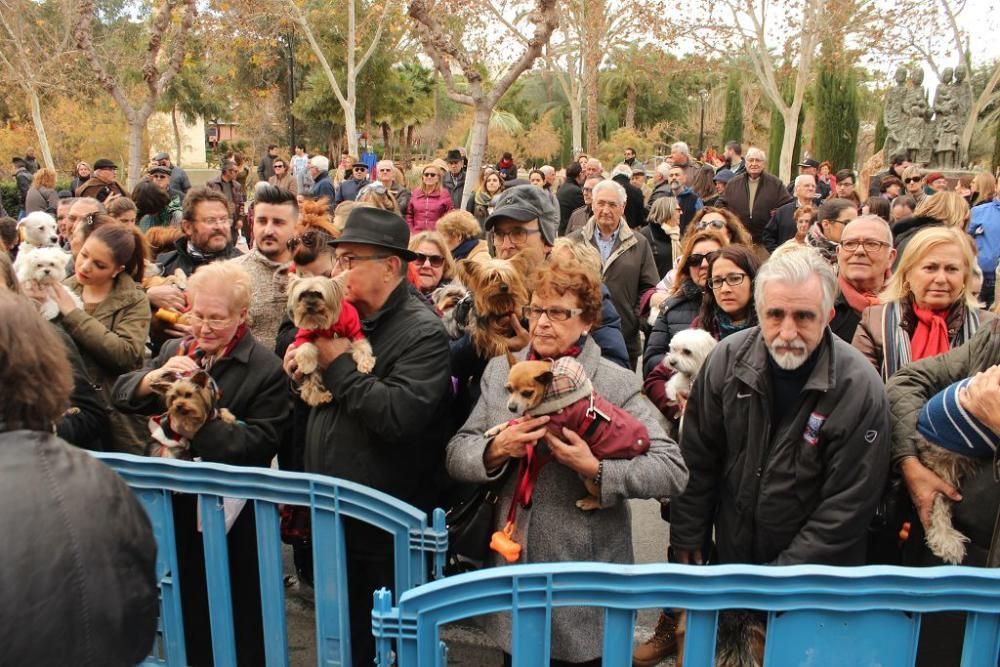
x: 171, y: 316
x: 904, y: 532
x: 503, y: 543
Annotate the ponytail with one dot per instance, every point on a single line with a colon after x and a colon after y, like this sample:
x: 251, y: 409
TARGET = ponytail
x: 128, y: 247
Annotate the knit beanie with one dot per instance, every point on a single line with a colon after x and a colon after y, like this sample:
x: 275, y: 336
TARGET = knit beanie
x: 944, y: 422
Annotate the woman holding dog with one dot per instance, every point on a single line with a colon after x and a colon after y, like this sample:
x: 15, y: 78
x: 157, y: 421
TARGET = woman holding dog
x: 564, y: 309
x: 250, y: 383
x: 682, y: 306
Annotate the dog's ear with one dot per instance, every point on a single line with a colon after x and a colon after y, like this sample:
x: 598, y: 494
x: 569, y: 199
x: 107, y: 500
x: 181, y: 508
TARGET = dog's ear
x: 292, y: 279
x: 469, y: 271
x: 163, y: 383
x: 339, y: 287
x: 511, y: 359
x: 525, y: 261
x: 200, y: 378
x: 544, y: 379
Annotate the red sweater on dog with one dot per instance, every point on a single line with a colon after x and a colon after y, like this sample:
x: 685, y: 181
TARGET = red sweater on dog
x: 348, y: 325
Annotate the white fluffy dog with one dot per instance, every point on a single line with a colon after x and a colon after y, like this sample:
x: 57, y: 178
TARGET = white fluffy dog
x: 688, y: 351
x: 37, y: 230
x: 45, y: 266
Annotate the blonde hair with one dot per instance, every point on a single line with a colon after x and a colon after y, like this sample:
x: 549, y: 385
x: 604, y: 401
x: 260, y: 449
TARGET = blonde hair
x: 582, y: 252
x: 911, y: 171
x: 343, y: 210
x: 948, y: 208
x: 986, y: 187
x: 898, y: 287
x: 437, y: 240
x: 44, y: 178
x: 438, y: 184
x: 228, y: 278
x: 459, y: 224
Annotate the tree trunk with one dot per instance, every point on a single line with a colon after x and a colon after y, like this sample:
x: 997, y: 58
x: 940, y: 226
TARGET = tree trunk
x: 576, y: 120
x: 177, y: 136
x: 631, y: 98
x: 791, y: 118
x: 592, y: 25
x: 477, y: 149
x: 36, y: 120
x: 135, y: 161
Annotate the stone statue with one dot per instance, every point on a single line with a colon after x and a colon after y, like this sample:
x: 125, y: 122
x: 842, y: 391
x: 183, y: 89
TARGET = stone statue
x: 894, y: 118
x: 963, y: 105
x: 915, y: 113
x: 946, y: 122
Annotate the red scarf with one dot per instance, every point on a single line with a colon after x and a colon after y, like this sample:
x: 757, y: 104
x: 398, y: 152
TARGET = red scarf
x: 931, y: 335
x: 856, y: 299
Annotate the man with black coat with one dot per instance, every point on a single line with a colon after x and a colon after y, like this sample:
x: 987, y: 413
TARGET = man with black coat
x: 896, y: 168
x: 781, y: 227
x: 454, y: 177
x: 386, y: 429
x: 570, y: 194
x: 635, y: 209
x: 754, y: 195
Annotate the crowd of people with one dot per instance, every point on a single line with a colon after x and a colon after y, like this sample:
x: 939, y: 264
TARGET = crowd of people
x: 837, y: 327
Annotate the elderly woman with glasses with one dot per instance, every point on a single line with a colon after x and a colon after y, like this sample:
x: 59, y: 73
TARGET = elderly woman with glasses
x: 434, y: 264
x: 249, y: 382
x: 428, y: 202
x: 283, y: 177
x: 564, y: 309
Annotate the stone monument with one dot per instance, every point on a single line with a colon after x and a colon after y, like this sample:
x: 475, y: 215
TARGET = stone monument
x: 946, y: 122
x: 915, y: 110
x: 963, y: 105
x: 893, y: 117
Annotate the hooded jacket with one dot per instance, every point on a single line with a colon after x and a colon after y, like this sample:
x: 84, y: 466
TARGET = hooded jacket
x: 801, y: 491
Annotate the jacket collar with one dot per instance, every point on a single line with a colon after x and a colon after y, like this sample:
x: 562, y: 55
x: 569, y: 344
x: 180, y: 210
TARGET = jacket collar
x: 625, y: 232
x: 399, y: 296
x: 124, y: 292
x: 752, y: 359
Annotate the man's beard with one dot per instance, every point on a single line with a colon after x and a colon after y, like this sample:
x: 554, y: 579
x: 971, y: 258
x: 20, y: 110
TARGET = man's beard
x: 786, y: 359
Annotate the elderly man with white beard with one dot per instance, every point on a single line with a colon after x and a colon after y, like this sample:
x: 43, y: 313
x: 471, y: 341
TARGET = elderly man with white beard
x: 786, y: 434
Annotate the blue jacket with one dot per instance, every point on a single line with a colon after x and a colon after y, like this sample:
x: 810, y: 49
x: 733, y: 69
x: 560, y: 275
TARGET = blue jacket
x: 349, y: 189
x: 608, y: 335
x: 323, y: 187
x: 985, y: 230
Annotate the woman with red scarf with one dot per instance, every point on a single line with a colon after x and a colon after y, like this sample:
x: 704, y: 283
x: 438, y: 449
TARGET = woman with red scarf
x: 927, y: 306
x: 251, y: 385
x: 564, y: 309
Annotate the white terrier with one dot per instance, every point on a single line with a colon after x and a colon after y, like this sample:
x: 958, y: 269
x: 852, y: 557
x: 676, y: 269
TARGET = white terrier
x: 688, y: 351
x: 45, y: 266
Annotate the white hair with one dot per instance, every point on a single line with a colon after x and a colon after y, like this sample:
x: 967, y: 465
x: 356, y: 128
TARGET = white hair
x: 663, y: 169
x: 871, y: 217
x: 802, y: 178
x: 547, y: 169
x: 610, y: 185
x: 753, y: 151
x: 621, y: 169
x: 796, y: 268
x: 384, y: 162
x: 680, y: 147
x: 321, y: 162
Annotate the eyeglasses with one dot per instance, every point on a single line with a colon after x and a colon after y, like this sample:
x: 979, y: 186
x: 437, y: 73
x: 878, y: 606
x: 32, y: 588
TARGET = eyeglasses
x: 518, y: 235
x: 385, y: 169
x: 308, y: 239
x: 430, y: 174
x: 348, y: 260
x: 555, y: 314
x: 214, y: 325
x: 705, y: 224
x: 871, y: 246
x: 696, y: 259
x: 214, y: 222
x: 731, y: 279
x: 436, y: 260
x: 360, y: 169
x: 279, y: 166
x: 913, y: 179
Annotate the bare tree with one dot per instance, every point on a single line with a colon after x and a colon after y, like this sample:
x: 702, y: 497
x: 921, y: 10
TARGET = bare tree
x: 162, y: 29
x: 32, y: 47
x: 354, y: 65
x: 446, y: 49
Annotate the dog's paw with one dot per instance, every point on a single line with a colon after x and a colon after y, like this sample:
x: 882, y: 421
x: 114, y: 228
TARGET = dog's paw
x: 313, y: 392
x: 226, y: 416
x: 589, y: 504
x: 365, y: 361
x: 496, y: 430
x: 307, y: 358
x: 946, y: 543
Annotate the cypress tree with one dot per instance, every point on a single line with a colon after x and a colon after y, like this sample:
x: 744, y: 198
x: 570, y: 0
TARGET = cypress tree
x: 880, y: 133
x: 996, y: 146
x: 732, y: 128
x: 836, y: 118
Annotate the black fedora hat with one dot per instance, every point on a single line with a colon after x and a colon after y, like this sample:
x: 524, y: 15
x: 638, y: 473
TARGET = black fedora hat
x: 377, y: 227
x: 454, y: 155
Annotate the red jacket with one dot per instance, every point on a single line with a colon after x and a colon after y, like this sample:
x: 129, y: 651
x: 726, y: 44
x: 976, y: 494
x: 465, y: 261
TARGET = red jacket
x: 612, y: 434
x: 348, y: 325
x: 424, y: 209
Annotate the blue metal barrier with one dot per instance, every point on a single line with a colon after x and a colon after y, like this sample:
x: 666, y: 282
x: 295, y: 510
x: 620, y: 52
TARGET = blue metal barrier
x: 418, y: 548
x: 817, y: 616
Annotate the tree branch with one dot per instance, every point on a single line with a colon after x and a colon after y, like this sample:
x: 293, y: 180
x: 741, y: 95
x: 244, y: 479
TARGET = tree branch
x: 378, y: 35
x: 545, y: 19
x: 299, y: 19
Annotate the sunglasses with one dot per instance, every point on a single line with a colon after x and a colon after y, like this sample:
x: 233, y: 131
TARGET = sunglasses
x: 279, y: 166
x: 705, y: 224
x: 308, y: 239
x: 696, y: 259
x: 360, y: 169
x: 430, y: 174
x: 437, y: 261
x: 913, y: 179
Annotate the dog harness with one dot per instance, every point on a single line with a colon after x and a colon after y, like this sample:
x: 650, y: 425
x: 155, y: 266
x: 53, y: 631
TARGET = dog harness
x: 348, y: 325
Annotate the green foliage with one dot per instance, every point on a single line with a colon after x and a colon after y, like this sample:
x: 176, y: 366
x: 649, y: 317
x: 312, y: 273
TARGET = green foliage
x: 836, y: 118
x: 996, y: 148
x: 880, y: 132
x: 777, y: 135
x: 11, y: 198
x: 732, y: 128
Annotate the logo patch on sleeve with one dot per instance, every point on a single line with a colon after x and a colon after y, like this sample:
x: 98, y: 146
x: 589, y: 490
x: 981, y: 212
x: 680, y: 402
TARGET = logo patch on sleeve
x: 813, y: 425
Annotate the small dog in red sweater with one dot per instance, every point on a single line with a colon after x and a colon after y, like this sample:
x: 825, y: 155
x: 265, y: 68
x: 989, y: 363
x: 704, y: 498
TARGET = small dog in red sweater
x: 318, y: 308
x: 562, y: 390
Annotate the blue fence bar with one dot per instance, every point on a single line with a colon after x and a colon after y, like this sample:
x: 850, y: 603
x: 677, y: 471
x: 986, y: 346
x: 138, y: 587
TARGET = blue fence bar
x: 419, y: 548
x: 817, y: 615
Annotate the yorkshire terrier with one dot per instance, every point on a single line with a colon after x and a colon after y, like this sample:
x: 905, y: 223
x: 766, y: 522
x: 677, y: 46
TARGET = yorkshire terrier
x: 740, y: 638
x: 452, y: 303
x: 499, y: 291
x: 45, y: 266
x: 562, y: 390
x: 318, y: 308
x: 191, y: 402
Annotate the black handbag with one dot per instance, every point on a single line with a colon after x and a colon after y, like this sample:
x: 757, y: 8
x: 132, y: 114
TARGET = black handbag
x: 470, y: 524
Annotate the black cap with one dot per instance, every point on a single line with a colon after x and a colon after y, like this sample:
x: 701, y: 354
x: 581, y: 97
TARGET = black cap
x: 359, y: 165
x: 454, y: 155
x: 377, y: 227
x: 809, y: 162
x: 104, y: 163
x: 524, y: 203
x: 162, y: 155
x: 158, y: 170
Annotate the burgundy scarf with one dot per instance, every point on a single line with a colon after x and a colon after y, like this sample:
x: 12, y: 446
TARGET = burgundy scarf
x: 189, y: 347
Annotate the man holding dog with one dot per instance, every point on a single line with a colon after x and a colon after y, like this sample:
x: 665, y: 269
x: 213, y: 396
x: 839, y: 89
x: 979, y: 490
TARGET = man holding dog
x: 786, y: 437
x: 386, y: 429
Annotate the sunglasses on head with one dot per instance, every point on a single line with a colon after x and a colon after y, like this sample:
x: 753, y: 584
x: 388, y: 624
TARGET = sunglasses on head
x: 437, y: 261
x: 705, y: 224
x: 695, y: 259
x: 308, y: 239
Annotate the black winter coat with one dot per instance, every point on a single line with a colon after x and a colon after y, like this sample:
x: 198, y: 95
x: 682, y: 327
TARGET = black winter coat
x: 388, y: 429
x: 845, y: 319
x: 907, y: 228
x: 635, y: 207
x: 570, y: 196
x: 781, y: 227
x: 180, y: 258
x: 676, y: 314
x: 87, y: 423
x: 663, y: 249
x: 79, y: 559
x: 800, y: 491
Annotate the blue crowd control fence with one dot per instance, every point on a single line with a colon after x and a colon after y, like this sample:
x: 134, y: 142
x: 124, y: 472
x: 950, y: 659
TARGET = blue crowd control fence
x: 419, y: 548
x: 817, y: 615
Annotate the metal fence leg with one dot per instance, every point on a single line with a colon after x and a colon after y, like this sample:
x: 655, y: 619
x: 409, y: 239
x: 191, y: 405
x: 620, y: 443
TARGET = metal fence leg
x: 272, y: 589
x: 220, y: 599
x: 982, y: 640
x: 333, y: 624
x: 159, y: 507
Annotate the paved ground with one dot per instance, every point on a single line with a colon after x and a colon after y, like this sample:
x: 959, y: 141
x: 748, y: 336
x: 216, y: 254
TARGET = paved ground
x: 467, y: 646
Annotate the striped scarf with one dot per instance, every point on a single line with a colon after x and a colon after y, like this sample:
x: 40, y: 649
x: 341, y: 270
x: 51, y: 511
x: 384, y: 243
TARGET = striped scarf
x: 896, y: 351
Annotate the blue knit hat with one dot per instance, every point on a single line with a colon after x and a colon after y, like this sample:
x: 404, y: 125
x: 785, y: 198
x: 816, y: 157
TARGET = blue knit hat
x: 944, y: 422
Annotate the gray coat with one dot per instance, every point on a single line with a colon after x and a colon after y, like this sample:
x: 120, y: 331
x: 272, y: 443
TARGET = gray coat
x: 553, y: 529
